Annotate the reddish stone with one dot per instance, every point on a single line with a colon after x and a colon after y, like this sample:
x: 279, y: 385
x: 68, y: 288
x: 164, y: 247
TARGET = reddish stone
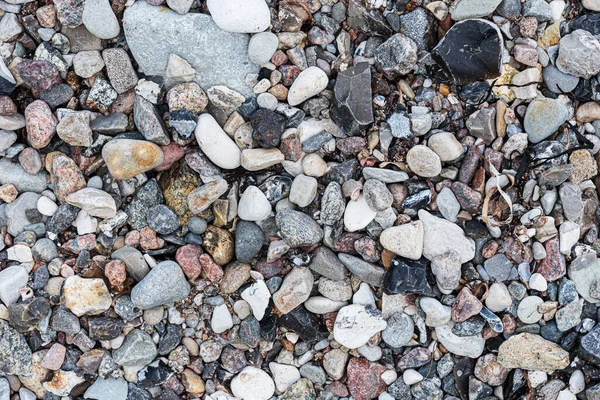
x: 364, y: 378
x: 80, y: 243
x: 116, y: 272
x: 40, y: 75
x: 40, y: 124
x: 465, y: 306
x: 367, y: 248
x: 469, y: 199
x: 509, y: 323
x: 149, y: 240
x: 132, y: 238
x: 288, y: 74
x: 54, y: 358
x: 291, y: 147
x: 345, y: 243
x: 279, y: 58
x: 66, y: 175
x: 210, y: 269
x: 123, y: 103
x: 338, y: 389
x: 554, y: 266
x: 489, y: 249
x: 7, y: 106
x: 351, y: 145
x: 516, y: 251
x: 172, y: 153
x: 30, y: 160
x: 269, y: 269
x: 187, y: 258
x: 415, y: 358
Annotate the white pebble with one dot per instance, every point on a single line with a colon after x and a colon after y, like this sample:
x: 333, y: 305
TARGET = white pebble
x: 410, y: 377
x: 576, y: 382
x: 46, y: 206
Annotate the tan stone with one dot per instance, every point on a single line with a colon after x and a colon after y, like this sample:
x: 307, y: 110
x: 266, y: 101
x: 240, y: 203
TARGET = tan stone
x: 584, y: 166
x: 86, y: 296
x: 532, y: 352
x: 126, y: 158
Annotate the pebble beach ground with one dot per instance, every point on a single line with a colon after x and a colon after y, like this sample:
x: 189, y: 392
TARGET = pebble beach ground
x: 299, y: 199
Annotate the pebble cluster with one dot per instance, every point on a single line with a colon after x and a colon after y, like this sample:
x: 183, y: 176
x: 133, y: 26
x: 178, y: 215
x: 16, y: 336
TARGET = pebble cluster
x: 299, y: 199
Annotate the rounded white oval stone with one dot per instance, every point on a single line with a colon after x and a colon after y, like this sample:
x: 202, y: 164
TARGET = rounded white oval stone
x: 309, y: 83
x: 241, y: 16
x: 215, y: 143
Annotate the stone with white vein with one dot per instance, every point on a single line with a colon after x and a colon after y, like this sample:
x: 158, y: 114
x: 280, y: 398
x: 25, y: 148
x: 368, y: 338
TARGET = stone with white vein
x: 355, y: 324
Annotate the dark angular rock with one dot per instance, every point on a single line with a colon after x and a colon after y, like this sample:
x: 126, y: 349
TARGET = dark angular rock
x: 184, y: 122
x: 169, y: 340
x: 407, y: 276
x: 250, y: 330
x: 364, y: 20
x: 305, y: 324
x: 112, y: 124
x: 28, y: 314
x: 268, y: 127
x: 353, y: 109
x: 146, y: 197
x: 162, y: 219
x: 470, y: 51
x: 105, y: 328
x: 62, y: 218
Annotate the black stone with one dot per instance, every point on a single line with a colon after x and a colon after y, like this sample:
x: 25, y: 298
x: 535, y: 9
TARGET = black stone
x: 407, y: 276
x: 276, y: 188
x: 417, y: 200
x: 587, y: 22
x: 57, y: 95
x: 162, y: 219
x: 146, y: 197
x: 475, y: 92
x: 367, y: 21
x: 307, y: 325
x: 40, y: 277
x: 268, y: 328
x: 470, y: 51
x: 250, y: 331
x: 353, y: 109
x: 26, y: 315
x: 169, y: 340
x: 154, y: 374
x: 137, y: 393
x: 268, y: 127
x: 105, y: 328
x: 62, y: 218
x: 112, y: 124
x: 314, y: 143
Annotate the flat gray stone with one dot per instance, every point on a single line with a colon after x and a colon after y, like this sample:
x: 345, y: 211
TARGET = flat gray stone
x: 107, y: 389
x: 164, y: 284
x: 24, y: 182
x: 154, y: 33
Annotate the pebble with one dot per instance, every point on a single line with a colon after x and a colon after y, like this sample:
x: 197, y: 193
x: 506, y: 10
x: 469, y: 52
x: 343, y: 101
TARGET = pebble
x: 532, y: 352
x: 358, y: 214
x: 309, y: 83
x: 261, y: 47
x: 543, y: 118
x: 240, y: 16
x: 298, y: 229
x: 303, y: 190
x: 215, y: 143
x: 446, y: 146
x: 252, y: 383
x: 40, y: 124
x: 126, y: 158
x: 441, y: 236
x: 253, y: 205
x: 221, y: 319
x: 405, y: 240
x: 577, y: 54
x: 423, y: 161
x: 86, y: 296
x: 355, y: 324
x: 164, y: 284
x: 294, y: 290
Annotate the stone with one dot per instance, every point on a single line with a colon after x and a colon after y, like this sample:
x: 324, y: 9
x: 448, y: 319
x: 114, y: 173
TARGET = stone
x: 164, y: 284
x: 74, y: 129
x: 95, y: 202
x: 365, y: 378
x: 152, y: 42
x: 87, y: 63
x: 353, y: 95
x: 262, y: 46
x: 203, y: 197
x: 149, y: 122
x: 40, y: 124
x: 532, y: 352
x: 466, y: 346
x: 137, y: 351
x: 257, y: 295
x: 120, y: 72
x: 248, y: 241
x: 441, y: 236
x: 15, y: 353
x: 298, y: 229
x: 404, y: 240
x: 358, y: 214
x: 284, y: 375
x: 99, y: 18
x: 528, y: 310
x: 578, y: 54
x: 109, y: 388
x: 294, y: 290
x: 446, y: 146
x: 215, y: 143
x: 309, y: 83
x: 126, y: 158
x: 240, y: 16
x: 377, y: 195
x: 484, y: 58
x: 221, y: 319
x: 423, y: 161
x: 474, y: 9
x: 397, y: 56
x: 436, y: 313
x: 303, y: 190
x: 86, y: 296
x: 482, y: 124
x: 543, y: 118
x: 252, y: 384
x: 162, y: 219
x: 355, y: 324
x: 259, y: 159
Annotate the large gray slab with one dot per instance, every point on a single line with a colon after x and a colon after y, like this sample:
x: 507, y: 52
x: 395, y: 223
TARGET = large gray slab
x: 219, y: 57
